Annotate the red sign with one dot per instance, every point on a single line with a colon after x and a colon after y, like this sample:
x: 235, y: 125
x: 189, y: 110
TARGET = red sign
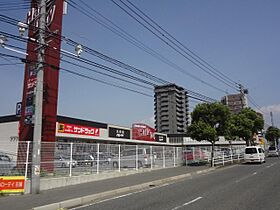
x: 143, y: 132
x: 52, y: 34
x: 78, y: 129
x: 11, y: 184
x: 54, y: 11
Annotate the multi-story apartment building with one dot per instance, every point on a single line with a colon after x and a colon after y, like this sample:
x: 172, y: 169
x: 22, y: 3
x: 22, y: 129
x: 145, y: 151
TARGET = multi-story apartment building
x: 235, y: 102
x: 171, y: 109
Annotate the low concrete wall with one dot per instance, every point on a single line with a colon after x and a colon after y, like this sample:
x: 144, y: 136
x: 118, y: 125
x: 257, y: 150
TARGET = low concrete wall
x: 55, y: 182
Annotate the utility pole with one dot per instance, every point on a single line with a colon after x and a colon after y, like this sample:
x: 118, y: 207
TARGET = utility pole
x: 272, y: 123
x: 243, y: 93
x: 271, y: 117
x: 37, y: 136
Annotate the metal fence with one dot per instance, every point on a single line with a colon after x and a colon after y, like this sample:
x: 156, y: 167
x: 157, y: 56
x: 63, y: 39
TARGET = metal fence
x: 199, y: 155
x: 73, y: 159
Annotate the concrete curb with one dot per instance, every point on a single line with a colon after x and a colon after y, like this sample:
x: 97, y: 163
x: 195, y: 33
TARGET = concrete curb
x: 99, y: 196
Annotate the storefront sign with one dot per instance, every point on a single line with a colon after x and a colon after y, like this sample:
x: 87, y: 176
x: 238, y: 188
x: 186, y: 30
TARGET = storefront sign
x: 143, y: 132
x: 160, y: 138
x: 18, y: 109
x: 11, y: 184
x: 119, y: 133
x: 78, y: 129
x: 54, y: 11
x: 34, y: 14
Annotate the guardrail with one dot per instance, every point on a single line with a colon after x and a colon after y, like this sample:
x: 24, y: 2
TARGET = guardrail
x: 202, y: 155
x: 228, y: 158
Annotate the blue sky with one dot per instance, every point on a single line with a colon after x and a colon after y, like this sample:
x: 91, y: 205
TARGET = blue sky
x: 240, y: 38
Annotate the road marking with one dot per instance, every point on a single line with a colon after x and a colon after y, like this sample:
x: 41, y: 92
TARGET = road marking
x: 245, y: 177
x: 270, y: 165
x: 120, y: 196
x: 188, y: 203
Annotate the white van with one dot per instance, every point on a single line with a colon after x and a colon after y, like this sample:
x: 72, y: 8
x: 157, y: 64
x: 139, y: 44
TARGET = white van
x: 254, y: 154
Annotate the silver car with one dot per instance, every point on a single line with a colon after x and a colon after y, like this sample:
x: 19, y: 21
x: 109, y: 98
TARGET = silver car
x: 272, y: 151
x: 129, y: 159
x: 64, y: 162
x: 7, y: 165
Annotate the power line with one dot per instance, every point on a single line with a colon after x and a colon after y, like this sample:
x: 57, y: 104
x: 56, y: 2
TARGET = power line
x: 105, y: 74
x: 255, y: 104
x: 104, y: 82
x: 22, y: 39
x: 128, y: 37
x: 133, y: 69
x: 196, y: 96
x: 189, y: 53
x: 102, y: 67
x: 101, y: 81
x: 181, y: 44
x: 89, y: 62
x: 9, y: 64
x: 175, y: 46
x: 80, y: 75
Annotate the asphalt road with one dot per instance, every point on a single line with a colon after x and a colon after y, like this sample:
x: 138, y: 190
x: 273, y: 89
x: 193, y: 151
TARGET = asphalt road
x: 241, y: 187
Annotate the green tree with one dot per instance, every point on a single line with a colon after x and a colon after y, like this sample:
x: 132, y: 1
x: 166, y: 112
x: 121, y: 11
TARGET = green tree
x: 209, y: 121
x: 245, y: 124
x: 272, y: 134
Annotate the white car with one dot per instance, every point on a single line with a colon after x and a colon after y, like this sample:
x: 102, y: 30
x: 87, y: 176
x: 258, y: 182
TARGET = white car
x: 254, y: 154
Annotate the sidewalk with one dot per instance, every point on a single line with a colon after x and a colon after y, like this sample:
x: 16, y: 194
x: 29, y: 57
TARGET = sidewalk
x: 91, y: 191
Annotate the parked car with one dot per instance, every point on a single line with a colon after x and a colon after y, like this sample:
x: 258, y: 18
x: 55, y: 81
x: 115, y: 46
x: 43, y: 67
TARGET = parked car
x: 104, y: 158
x: 272, y: 151
x: 128, y: 158
x: 84, y: 159
x: 7, y: 165
x: 226, y: 151
x: 64, y: 162
x: 254, y: 154
x: 194, y: 156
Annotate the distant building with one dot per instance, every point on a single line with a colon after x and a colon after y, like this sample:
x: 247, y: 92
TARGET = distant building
x: 171, y: 109
x: 235, y: 102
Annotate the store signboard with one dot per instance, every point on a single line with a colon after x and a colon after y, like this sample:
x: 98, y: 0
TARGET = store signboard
x: 160, y: 138
x: 54, y: 11
x: 143, y: 132
x: 121, y: 133
x: 18, y: 109
x: 78, y: 129
x: 12, y: 184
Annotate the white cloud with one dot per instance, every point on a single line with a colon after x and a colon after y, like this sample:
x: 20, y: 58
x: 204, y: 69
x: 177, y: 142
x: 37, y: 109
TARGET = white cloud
x: 275, y: 109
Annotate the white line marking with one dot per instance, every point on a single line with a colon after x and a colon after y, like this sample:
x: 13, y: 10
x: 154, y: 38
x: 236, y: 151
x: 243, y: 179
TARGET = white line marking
x: 120, y: 196
x: 270, y: 165
x: 188, y: 203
